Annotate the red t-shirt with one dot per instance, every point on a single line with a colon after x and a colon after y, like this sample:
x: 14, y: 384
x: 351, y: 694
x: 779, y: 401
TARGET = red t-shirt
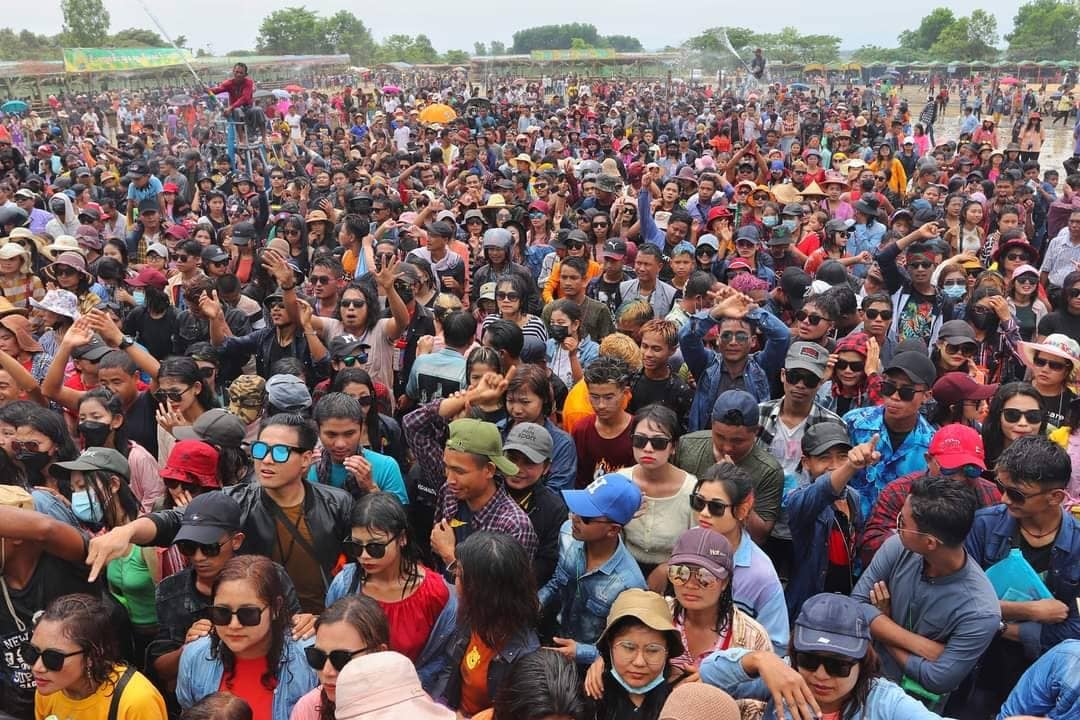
x: 246, y: 683
x: 598, y: 455
x: 412, y: 619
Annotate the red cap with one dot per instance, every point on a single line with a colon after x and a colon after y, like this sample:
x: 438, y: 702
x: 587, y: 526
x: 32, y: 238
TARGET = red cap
x: 170, y: 187
x: 718, y: 212
x: 957, y: 445
x: 739, y: 263
x: 148, y: 276
x: 193, y: 462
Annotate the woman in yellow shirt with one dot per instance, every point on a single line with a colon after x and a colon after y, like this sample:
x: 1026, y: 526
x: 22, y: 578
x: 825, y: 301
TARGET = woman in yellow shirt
x: 77, y: 669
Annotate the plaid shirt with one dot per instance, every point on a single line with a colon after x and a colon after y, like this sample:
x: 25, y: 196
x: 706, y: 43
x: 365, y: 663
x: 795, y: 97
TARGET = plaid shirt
x: 881, y: 524
x: 770, y: 416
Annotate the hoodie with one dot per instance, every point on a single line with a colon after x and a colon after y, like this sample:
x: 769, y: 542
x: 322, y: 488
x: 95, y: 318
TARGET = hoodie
x: 70, y: 222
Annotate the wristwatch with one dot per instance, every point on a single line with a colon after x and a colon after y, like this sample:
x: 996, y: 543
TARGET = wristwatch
x: 125, y: 342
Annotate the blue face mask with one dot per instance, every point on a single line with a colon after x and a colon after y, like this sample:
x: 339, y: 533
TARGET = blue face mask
x: 791, y: 224
x: 656, y: 681
x: 84, y: 507
x: 955, y: 292
x: 771, y: 221
x: 139, y: 296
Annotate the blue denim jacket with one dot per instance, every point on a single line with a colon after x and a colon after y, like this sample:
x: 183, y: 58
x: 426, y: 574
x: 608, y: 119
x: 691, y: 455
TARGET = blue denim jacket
x: 587, y: 596
x: 200, y: 675
x: 429, y: 663
x: 707, y: 365
x: 863, y: 424
x: 1050, y: 688
x: 885, y: 700
x: 811, y: 517
x: 990, y: 540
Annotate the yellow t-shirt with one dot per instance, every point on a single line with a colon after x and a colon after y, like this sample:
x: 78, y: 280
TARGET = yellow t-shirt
x: 140, y: 701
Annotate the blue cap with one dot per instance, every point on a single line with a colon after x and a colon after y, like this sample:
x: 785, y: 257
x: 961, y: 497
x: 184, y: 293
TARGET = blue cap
x: 832, y: 623
x: 612, y: 496
x: 736, y: 407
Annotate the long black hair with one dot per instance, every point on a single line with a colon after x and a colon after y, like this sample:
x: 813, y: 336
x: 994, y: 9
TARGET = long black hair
x: 498, y: 592
x: 542, y: 684
x: 347, y: 376
x: 992, y: 434
x: 113, y: 405
x: 185, y: 369
x: 384, y: 513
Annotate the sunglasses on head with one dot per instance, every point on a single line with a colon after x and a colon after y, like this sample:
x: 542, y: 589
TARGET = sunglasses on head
x: 798, y: 375
x: 278, y: 453
x: 809, y: 318
x: 680, y: 575
x: 1055, y: 365
x: 699, y: 503
x: 375, y: 550
x: 889, y: 388
x: 875, y: 314
x: 248, y: 616
x: 1013, y: 415
x: 52, y: 659
x: 833, y: 666
x: 187, y: 548
x: 658, y: 442
x: 317, y: 658
x: 853, y: 365
x: 170, y: 395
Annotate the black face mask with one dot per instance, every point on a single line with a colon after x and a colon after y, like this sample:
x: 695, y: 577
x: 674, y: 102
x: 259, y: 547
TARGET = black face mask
x: 34, y: 462
x: 94, y: 434
x: 406, y: 293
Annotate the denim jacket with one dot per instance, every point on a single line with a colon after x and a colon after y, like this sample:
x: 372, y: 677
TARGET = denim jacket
x: 1050, y: 687
x: 990, y: 540
x: 200, y: 675
x: 707, y: 365
x: 587, y: 595
x: 429, y: 663
x: 445, y: 687
x: 811, y: 517
x: 885, y: 701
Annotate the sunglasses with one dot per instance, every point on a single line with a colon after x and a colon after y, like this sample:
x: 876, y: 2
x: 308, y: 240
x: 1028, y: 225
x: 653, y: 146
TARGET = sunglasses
x: 321, y: 279
x: 350, y: 360
x: 511, y: 296
x: 966, y: 349
x: 1055, y: 365
x: 25, y: 445
x: 906, y: 392
x: 375, y: 550
x: 248, y: 616
x: 1017, y: 257
x: 365, y: 401
x: 835, y: 668
x: 279, y: 453
x: 352, y: 303
x: 1027, y: 280
x: 536, y: 216
x: 1073, y: 293
x: 187, y: 548
x: 572, y: 245
x: 716, y: 507
x: 875, y: 314
x: 920, y: 265
x: 170, y: 395
x: 1013, y: 415
x: 317, y: 658
x: 64, y: 270
x: 658, y: 442
x: 805, y: 377
x: 809, y: 318
x: 1015, y: 496
x: 600, y: 224
x: 853, y: 365
x: 705, y: 252
x: 52, y: 659
x: 183, y: 258
x: 680, y: 575
x: 738, y: 336
x: 970, y: 471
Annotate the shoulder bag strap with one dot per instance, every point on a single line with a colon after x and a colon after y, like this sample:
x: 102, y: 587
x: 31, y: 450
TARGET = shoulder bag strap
x: 118, y: 691
x: 299, y: 538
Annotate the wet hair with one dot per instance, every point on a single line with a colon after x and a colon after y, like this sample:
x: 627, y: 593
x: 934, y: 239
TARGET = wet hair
x: 113, y: 405
x: 1038, y: 461
x: 86, y: 621
x: 737, y: 483
x: 495, y: 560
x: 364, y: 615
x: 505, y: 335
x: 660, y: 415
x: 218, y: 706
x: 184, y: 369
x: 535, y: 380
x: 265, y: 578
x: 992, y: 434
x: 943, y: 508
x: 306, y: 433
x: 338, y: 406
x: 540, y: 685
x: 384, y: 512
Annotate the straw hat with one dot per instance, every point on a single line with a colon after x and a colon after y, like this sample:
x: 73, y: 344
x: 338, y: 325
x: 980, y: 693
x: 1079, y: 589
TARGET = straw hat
x: 62, y: 244
x: 813, y: 190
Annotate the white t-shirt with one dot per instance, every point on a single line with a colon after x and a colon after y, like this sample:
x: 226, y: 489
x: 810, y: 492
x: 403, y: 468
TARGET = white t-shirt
x: 401, y: 137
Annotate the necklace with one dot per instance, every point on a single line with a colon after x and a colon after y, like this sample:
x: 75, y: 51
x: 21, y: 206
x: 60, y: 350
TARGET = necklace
x: 1053, y: 530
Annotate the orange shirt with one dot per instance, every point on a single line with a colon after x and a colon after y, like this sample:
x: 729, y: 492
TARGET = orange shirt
x: 474, y: 677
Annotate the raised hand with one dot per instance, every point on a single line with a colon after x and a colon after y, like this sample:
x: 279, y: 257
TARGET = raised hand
x: 865, y: 454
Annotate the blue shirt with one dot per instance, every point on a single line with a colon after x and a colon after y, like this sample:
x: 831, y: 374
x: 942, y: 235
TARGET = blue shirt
x: 864, y: 237
x: 436, y: 375
x: 150, y: 192
x: 385, y: 473
x: 757, y: 591
x: 1050, y: 688
x: 863, y: 424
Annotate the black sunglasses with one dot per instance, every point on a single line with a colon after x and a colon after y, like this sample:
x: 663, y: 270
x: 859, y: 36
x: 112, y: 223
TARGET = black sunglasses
x: 716, y: 507
x: 810, y: 318
x: 187, y: 548
x: 658, y: 442
x: 1073, y: 293
x: 875, y: 314
x: 798, y: 375
x: 1040, y: 361
x: 965, y: 349
x: 375, y: 550
x: 920, y: 265
x: 170, y: 395
x: 854, y: 365
x: 889, y: 388
x: 1013, y: 415
x: 248, y: 616
x: 317, y: 658
x: 511, y: 296
x: 52, y: 659
x: 834, y: 667
x: 352, y: 302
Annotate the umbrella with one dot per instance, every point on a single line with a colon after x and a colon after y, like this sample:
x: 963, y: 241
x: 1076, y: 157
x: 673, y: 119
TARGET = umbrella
x: 799, y: 86
x: 180, y: 100
x: 1009, y: 80
x: 892, y: 72
x: 280, y: 94
x: 260, y: 94
x: 14, y: 106
x: 391, y: 89
x: 294, y: 88
x: 437, y: 113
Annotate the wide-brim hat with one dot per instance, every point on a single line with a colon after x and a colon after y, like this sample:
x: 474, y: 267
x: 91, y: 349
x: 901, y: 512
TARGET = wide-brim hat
x: 62, y: 244
x: 813, y: 190
x: 1056, y: 344
x: 648, y: 608
x: 73, y: 260
x: 19, y: 326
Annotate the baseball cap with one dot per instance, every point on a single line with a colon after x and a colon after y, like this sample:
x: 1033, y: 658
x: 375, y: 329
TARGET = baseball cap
x: 531, y: 440
x: 487, y: 291
x: 832, y: 623
x: 957, y: 445
x: 795, y: 282
x: 736, y: 407
x: 93, y: 459
x: 215, y: 426
x: 480, y: 438
x: 957, y: 386
x: 706, y: 548
x: 92, y: 351
x: 287, y: 393
x: 957, y: 332
x: 146, y: 206
x: 207, y: 517
x: 192, y: 462
x: 343, y: 346
x: 824, y: 436
x: 214, y: 253
x: 748, y: 232
x: 441, y: 228
x: 708, y: 240
x: 807, y: 356
x: 613, y: 496
x: 148, y: 277
x: 615, y: 249
x: 915, y: 365
x: 243, y: 233
x: 161, y: 250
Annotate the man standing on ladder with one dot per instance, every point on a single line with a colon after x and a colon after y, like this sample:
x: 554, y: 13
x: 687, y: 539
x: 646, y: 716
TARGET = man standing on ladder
x: 241, y: 90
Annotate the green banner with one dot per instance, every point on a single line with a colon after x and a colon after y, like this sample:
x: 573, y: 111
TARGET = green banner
x: 575, y: 54
x: 80, y: 60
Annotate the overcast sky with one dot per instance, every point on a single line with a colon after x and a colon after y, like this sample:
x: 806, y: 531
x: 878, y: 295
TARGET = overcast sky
x: 233, y: 24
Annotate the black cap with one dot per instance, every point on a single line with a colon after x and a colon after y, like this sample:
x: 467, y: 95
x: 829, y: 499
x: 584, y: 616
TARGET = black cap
x: 441, y: 228
x: 92, y: 351
x: 824, y: 436
x: 214, y: 253
x: 149, y: 205
x: 208, y: 516
x: 917, y: 366
x: 138, y: 169
x: 244, y: 232
x: 795, y: 282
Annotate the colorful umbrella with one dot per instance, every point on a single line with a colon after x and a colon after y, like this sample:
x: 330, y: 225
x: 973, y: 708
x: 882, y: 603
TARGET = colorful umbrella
x: 14, y: 106
x: 1009, y: 80
x: 437, y: 113
x: 391, y: 89
x: 294, y: 88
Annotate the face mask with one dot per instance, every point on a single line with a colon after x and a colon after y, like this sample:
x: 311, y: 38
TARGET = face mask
x: 34, y: 462
x: 94, y: 434
x: 139, y: 296
x: 406, y: 294
x: 955, y: 292
x: 791, y: 225
x: 984, y: 322
x: 84, y: 507
x: 656, y: 681
x: 771, y: 221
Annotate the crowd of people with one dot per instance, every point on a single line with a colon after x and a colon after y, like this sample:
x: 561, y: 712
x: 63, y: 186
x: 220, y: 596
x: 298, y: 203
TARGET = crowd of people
x: 602, y: 400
